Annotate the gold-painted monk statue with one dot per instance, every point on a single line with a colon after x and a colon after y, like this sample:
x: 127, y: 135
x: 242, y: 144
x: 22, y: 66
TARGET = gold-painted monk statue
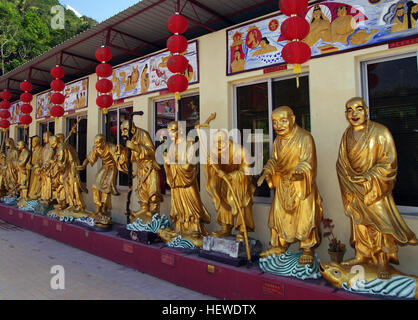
x: 11, y: 176
x: 47, y: 156
x: 22, y: 171
x: 230, y: 160
x: 105, y: 182
x: 367, y: 168
x: 296, y: 211
x: 35, y: 183
x: 188, y: 213
x: 147, y: 171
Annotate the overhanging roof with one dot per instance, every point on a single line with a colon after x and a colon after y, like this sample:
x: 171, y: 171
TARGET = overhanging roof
x: 132, y: 33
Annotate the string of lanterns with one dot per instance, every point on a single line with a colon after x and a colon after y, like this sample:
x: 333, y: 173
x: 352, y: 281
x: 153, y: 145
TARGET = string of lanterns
x: 4, y: 112
x: 26, y: 108
x: 104, y: 86
x: 177, y: 63
x: 57, y: 98
x: 295, y: 29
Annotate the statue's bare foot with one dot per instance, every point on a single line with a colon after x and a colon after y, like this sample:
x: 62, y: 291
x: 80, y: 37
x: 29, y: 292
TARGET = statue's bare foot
x: 383, y: 272
x: 354, y: 261
x: 223, y: 233
x: 307, y: 257
x: 274, y: 250
x: 240, y: 236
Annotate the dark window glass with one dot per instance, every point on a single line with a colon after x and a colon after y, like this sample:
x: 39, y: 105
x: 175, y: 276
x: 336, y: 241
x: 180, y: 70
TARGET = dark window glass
x: 252, y: 111
x: 45, y: 127
x: 21, y: 134
x: 79, y: 141
x: 393, y: 97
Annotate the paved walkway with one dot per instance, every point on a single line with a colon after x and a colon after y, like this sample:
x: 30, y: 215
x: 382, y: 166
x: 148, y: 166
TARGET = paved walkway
x: 26, y: 259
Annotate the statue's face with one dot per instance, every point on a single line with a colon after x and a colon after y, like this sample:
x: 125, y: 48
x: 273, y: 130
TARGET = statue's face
x: 35, y: 142
x: 356, y: 113
x: 99, y: 142
x: 283, y: 123
x: 173, y: 134
x: 221, y: 141
x: 342, y: 11
x: 53, y: 142
x: 20, y: 145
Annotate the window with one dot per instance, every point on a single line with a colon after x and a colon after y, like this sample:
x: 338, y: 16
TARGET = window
x: 79, y: 139
x: 21, y: 134
x: 254, y: 105
x: 111, y: 125
x: 45, y: 127
x: 4, y: 136
x: 391, y: 88
x: 165, y: 112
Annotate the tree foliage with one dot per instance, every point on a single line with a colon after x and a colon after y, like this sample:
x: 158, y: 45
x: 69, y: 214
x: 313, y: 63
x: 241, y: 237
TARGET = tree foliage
x: 26, y: 32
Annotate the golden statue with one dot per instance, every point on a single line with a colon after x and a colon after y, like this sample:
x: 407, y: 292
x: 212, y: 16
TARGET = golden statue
x: 367, y: 168
x: 22, y: 171
x: 47, y: 156
x: 105, y: 182
x: 35, y: 183
x: 3, y: 170
x: 228, y: 160
x: 188, y: 213
x: 320, y: 27
x: 147, y: 172
x: 296, y: 211
x: 11, y: 176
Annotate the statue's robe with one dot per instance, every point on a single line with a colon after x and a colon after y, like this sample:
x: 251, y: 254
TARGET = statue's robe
x: 35, y: 183
x: 11, y: 177
x: 188, y: 213
x: 47, y: 156
x: 23, y: 172
x: 241, y: 182
x: 377, y: 226
x: 296, y: 211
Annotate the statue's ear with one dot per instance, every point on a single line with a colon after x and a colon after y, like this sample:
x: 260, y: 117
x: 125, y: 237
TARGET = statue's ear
x: 293, y: 120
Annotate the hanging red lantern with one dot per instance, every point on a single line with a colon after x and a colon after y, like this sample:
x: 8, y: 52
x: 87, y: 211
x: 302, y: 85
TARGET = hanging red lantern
x: 26, y: 97
x: 57, y: 85
x: 177, y: 23
x: 4, y: 124
x: 296, y: 52
x: 293, y: 7
x: 26, y: 108
x: 6, y: 95
x: 5, y: 105
x: 57, y: 72
x: 104, y: 85
x: 4, y: 114
x: 104, y: 101
x: 25, y: 119
x: 103, y: 54
x: 177, y: 63
x: 57, y: 111
x: 295, y: 28
x: 26, y: 86
x: 104, y: 70
x: 57, y: 98
x: 177, y: 83
x: 177, y: 43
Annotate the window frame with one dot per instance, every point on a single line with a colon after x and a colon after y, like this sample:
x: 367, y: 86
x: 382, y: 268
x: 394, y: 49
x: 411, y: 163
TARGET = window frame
x: 269, y: 81
x: 404, y: 210
x: 47, y: 122
x: 68, y: 129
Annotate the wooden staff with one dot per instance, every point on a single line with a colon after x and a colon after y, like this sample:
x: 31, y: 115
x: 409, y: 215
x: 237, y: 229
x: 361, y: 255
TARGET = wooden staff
x: 228, y: 183
x: 73, y: 130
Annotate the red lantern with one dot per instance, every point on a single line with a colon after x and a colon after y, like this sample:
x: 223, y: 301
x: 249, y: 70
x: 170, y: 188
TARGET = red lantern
x: 57, y: 85
x: 177, y: 63
x: 57, y: 72
x: 6, y: 95
x: 5, y: 105
x: 177, y: 23
x: 4, y: 124
x: 104, y: 101
x: 4, y: 114
x: 104, y: 85
x: 26, y: 97
x: 103, y: 54
x: 57, y: 98
x: 57, y: 111
x: 26, y: 108
x: 104, y: 70
x: 295, y: 28
x: 26, y: 86
x: 25, y: 119
x: 177, y: 83
x: 177, y: 44
x: 296, y: 52
x: 293, y: 7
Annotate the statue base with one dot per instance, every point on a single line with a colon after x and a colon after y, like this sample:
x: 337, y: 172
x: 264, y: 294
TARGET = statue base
x: 229, y: 251
x: 28, y: 205
x: 10, y: 201
x: 287, y: 265
x: 363, y: 279
x: 139, y: 236
x: 184, y: 242
x: 43, y: 208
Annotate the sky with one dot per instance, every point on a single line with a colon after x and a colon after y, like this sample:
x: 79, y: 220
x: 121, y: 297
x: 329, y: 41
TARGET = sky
x: 99, y: 10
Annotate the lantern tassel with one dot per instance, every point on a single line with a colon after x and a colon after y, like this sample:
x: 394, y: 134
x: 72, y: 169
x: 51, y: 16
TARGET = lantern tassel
x: 297, y: 68
x: 177, y: 97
